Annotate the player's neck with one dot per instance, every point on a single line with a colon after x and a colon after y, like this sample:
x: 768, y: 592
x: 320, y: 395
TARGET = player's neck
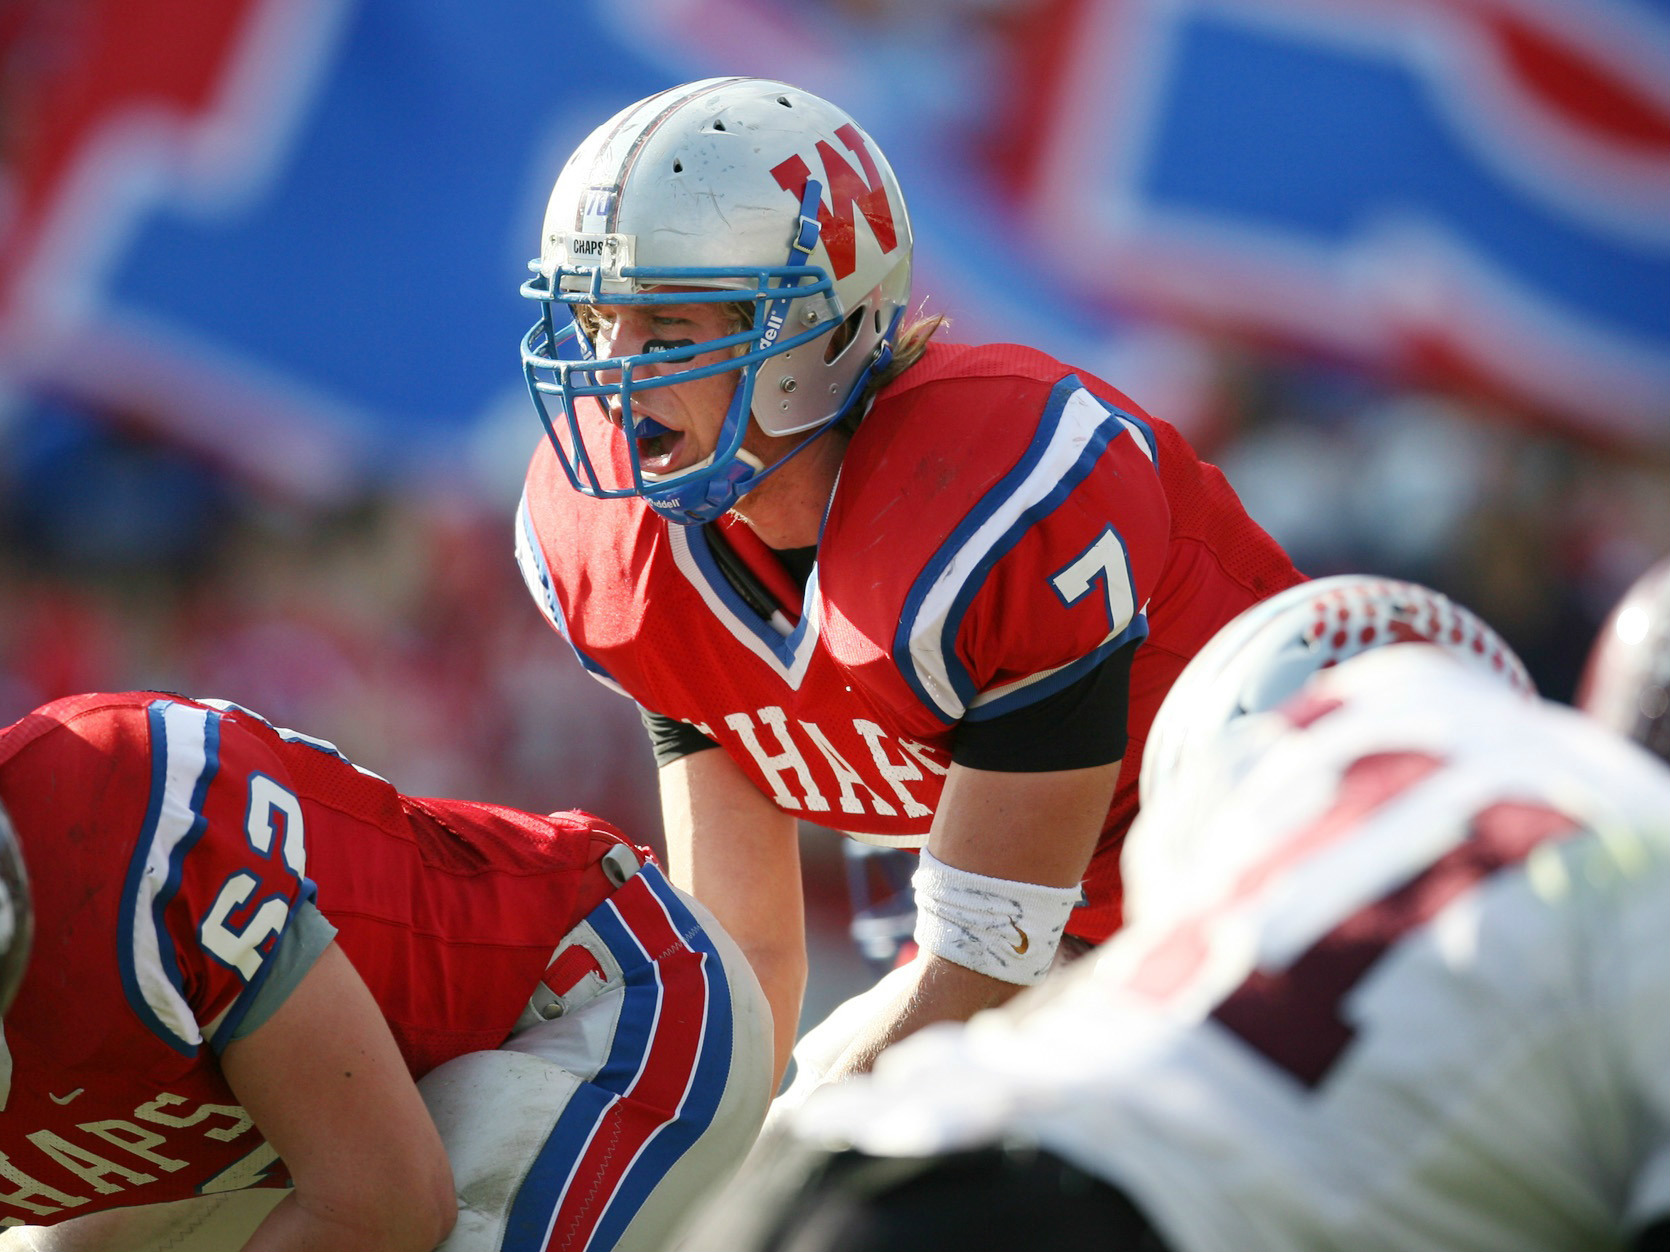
x: 786, y: 510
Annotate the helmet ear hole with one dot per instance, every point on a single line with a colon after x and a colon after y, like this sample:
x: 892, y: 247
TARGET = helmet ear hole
x: 841, y: 338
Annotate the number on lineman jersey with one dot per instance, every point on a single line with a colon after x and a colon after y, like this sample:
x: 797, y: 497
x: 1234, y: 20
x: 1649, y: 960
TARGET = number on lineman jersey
x: 273, y: 812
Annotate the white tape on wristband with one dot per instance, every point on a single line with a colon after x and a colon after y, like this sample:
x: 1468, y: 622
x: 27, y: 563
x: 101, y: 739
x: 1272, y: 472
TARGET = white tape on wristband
x: 1005, y: 930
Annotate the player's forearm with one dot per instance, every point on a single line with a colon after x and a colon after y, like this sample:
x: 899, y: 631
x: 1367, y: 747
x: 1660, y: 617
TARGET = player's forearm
x: 941, y: 992
x: 330, y: 1092
x: 386, y: 1224
x: 770, y: 930
x: 996, y: 836
x: 783, y: 979
x: 739, y: 854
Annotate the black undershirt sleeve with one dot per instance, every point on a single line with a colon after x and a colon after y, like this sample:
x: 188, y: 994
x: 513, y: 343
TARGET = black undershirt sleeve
x: 1080, y: 726
x: 671, y: 738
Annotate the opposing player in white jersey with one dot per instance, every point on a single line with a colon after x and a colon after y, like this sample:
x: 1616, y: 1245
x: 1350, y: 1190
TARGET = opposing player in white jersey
x: 1410, y: 995
x: 1256, y: 662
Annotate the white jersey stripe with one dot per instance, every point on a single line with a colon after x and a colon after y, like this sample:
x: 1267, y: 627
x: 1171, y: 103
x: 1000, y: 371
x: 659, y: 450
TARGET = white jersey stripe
x: 183, y: 761
x: 931, y: 643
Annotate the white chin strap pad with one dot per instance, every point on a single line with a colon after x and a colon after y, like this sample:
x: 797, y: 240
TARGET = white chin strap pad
x: 1005, y: 930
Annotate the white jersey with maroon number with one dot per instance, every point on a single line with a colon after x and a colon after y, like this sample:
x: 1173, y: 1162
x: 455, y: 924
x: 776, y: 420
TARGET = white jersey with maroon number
x: 1412, y: 993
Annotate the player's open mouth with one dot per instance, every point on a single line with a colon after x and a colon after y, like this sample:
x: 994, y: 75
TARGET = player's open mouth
x: 658, y: 446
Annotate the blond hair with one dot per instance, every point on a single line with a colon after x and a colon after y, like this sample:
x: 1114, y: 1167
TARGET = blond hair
x: 909, y: 345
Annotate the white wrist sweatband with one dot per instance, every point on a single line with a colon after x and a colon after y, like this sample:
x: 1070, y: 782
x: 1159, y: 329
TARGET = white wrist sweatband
x: 1005, y: 930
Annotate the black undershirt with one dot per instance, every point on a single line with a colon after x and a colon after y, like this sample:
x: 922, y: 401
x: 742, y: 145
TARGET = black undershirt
x: 1081, y: 725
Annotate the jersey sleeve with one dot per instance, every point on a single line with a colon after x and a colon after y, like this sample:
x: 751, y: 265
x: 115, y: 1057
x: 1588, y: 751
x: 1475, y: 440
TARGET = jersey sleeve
x: 305, y: 940
x: 1050, y: 573
x: 218, y: 870
x: 536, y: 575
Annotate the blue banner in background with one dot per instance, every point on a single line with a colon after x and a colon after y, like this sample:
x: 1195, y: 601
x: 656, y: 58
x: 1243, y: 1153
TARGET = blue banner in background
x: 309, y: 266
x: 316, y: 274
x: 1474, y: 191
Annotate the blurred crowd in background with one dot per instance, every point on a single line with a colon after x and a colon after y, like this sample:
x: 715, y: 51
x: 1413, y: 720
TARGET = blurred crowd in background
x: 152, y: 534
x: 396, y: 621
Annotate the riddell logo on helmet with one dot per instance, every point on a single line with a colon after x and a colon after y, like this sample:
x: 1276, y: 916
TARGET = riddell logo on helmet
x: 846, y: 192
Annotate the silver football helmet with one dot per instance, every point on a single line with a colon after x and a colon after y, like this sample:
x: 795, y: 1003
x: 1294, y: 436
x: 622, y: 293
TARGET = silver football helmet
x: 1264, y: 655
x: 740, y: 190
x: 1626, y: 681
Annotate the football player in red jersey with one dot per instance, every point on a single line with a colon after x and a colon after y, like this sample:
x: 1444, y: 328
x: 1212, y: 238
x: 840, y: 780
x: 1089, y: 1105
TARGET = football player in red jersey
x: 272, y: 1003
x: 1626, y: 681
x: 924, y: 593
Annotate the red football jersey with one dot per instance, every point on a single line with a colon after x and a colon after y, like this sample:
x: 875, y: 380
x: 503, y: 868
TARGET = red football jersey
x: 167, y: 842
x: 1001, y: 524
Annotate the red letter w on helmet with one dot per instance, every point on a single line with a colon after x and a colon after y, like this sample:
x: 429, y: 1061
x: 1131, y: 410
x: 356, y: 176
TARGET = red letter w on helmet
x: 847, y: 191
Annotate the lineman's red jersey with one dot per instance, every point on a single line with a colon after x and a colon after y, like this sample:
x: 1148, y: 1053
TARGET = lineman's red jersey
x: 1001, y: 525
x: 170, y: 844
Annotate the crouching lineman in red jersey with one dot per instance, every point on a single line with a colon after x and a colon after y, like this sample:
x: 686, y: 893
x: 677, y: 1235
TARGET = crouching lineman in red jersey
x: 1393, y: 977
x: 246, y: 949
x: 900, y: 583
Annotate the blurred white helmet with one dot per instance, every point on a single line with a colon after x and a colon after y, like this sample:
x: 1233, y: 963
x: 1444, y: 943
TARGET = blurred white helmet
x: 17, y: 918
x: 1626, y: 682
x: 1264, y: 655
x: 745, y: 190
